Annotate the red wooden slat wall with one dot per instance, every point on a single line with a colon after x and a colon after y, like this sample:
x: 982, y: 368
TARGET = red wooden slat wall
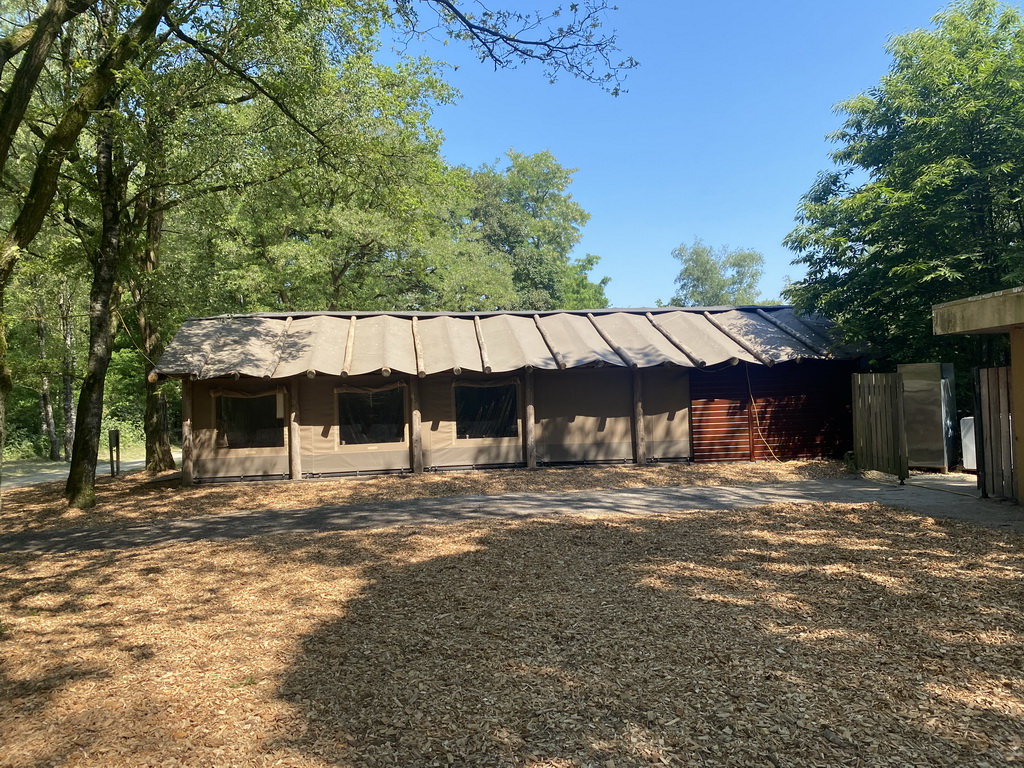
x: 803, y: 411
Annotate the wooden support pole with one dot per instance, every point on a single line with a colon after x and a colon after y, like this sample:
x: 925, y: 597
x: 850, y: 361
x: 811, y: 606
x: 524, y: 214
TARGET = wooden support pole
x: 639, y: 432
x: 979, y: 435
x: 294, y: 436
x: 529, y: 419
x: 485, y: 361
x: 1017, y: 406
x: 616, y: 348
x: 555, y: 354
x: 350, y: 340
x: 279, y: 347
x: 187, y: 445
x: 677, y: 343
x: 417, y: 345
x: 763, y: 359
x: 802, y: 338
x: 415, y: 426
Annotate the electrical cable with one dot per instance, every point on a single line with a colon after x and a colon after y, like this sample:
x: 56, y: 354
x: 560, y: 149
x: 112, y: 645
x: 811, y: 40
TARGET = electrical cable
x: 757, y: 421
x: 128, y: 333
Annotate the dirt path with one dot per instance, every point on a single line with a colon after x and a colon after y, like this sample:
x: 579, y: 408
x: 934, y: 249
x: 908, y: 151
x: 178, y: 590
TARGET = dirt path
x: 19, y: 474
x: 233, y: 526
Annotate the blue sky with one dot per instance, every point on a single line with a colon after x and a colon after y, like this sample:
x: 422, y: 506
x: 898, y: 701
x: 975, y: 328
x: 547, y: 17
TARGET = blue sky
x: 722, y: 129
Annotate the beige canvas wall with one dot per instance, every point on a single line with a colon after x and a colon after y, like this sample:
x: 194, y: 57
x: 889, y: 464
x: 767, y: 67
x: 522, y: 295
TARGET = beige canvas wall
x: 584, y: 414
x: 322, y: 451
x: 441, y: 446
x: 211, y: 462
x: 666, y: 401
x: 581, y: 415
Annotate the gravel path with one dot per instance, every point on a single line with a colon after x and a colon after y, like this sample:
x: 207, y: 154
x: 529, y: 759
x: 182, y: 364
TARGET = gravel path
x: 234, y: 526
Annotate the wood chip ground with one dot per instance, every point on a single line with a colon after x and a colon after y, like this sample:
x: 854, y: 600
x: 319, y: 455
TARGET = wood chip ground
x: 143, y: 496
x: 789, y: 635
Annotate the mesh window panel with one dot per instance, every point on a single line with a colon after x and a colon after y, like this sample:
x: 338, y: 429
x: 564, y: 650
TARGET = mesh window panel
x: 486, y: 412
x: 371, y: 417
x: 249, y: 422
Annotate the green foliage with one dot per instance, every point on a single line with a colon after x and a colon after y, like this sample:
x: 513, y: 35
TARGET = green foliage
x: 526, y: 213
x: 578, y: 290
x: 265, y: 160
x: 133, y: 439
x: 926, y: 203
x: 716, y: 276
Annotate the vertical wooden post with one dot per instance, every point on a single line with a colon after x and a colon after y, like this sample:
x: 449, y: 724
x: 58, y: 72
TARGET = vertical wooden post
x: 187, y: 446
x: 1017, y: 406
x: 979, y: 435
x: 1003, y: 402
x: 529, y: 422
x: 415, y: 426
x: 639, y: 432
x: 294, y: 436
x: 902, y: 449
x: 751, y: 405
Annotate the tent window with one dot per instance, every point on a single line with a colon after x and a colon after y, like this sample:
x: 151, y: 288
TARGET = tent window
x: 486, y: 411
x: 249, y: 422
x: 371, y: 417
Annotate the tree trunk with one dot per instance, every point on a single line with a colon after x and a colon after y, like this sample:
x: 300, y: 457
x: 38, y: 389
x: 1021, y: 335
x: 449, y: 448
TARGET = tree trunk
x: 68, y: 363
x: 33, y: 207
x: 6, y: 385
x: 80, y: 490
x: 47, y: 427
x: 158, y: 439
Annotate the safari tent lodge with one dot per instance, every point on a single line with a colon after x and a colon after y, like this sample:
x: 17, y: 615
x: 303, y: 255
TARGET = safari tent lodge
x: 327, y: 394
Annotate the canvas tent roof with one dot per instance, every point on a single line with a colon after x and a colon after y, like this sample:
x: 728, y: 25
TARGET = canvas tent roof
x: 277, y: 346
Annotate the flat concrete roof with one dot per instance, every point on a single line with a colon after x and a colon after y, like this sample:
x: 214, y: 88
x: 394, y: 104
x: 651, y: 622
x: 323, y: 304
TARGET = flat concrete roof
x: 989, y: 313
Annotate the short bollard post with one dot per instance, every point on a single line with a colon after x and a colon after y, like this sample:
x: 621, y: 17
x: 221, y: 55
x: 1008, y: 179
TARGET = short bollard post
x: 114, y: 439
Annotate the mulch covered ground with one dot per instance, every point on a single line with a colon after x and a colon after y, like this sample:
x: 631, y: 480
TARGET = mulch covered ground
x: 144, y: 497
x: 791, y: 635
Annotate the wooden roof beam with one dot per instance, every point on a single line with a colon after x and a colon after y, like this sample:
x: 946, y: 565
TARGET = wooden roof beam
x: 272, y: 366
x: 694, y: 358
x: 417, y: 344
x: 483, y: 345
x: 761, y: 358
x: 346, y: 366
x: 555, y: 354
x: 811, y: 345
x: 626, y: 358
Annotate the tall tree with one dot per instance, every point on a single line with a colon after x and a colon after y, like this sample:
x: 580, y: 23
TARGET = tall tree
x: 224, y: 107
x: 926, y: 202
x: 526, y: 213
x: 577, y: 46
x: 716, y: 276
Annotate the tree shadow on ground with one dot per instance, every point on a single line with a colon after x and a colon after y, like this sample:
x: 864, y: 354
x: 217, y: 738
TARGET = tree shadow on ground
x: 799, y: 635
x: 141, y: 498
x: 850, y: 636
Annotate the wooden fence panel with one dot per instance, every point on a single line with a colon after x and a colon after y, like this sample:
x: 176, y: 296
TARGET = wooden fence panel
x: 996, y: 450
x: 879, y: 439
